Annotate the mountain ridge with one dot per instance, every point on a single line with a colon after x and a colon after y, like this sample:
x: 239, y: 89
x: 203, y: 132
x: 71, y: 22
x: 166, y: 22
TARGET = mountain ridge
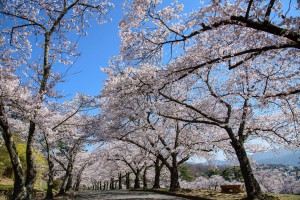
x: 281, y: 157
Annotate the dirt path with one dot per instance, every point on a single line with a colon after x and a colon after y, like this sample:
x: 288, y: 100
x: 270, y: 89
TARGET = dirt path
x: 123, y: 194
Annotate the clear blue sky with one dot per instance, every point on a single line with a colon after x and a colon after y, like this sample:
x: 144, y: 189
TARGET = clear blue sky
x: 101, y: 44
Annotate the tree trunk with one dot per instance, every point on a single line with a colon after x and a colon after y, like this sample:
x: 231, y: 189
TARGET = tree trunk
x: 69, y: 183
x: 112, y: 181
x: 174, y: 184
x: 9, y: 172
x: 77, y: 183
x: 66, y: 182
x: 127, y: 180
x: 137, y: 184
x: 50, y: 186
x: 95, y: 185
x: 62, y: 190
x: 120, y: 181
x: 31, y: 168
x: 63, y: 187
x: 19, y: 192
x: 158, y: 168
x: 252, y: 186
x: 49, y: 194
x: 145, y: 186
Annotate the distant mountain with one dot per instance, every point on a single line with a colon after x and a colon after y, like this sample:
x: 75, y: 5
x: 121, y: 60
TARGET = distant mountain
x: 282, y: 157
x: 216, y: 163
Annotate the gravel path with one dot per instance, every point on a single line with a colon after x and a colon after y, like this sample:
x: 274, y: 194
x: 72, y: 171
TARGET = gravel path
x: 122, y: 194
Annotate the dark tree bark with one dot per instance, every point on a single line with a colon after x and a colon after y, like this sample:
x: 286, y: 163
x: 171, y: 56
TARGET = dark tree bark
x: 127, y: 180
x: 63, y: 188
x: 9, y: 173
x: 158, y: 166
x: 174, y: 184
x: 50, y: 186
x: 137, y: 184
x: 96, y: 185
x: 19, y: 192
x: 173, y: 168
x: 120, y: 181
x: 79, y: 176
x: 112, y: 184
x: 107, y: 185
x: 252, y: 186
x: 116, y: 185
x: 69, y: 183
x: 145, y: 186
x: 31, y: 168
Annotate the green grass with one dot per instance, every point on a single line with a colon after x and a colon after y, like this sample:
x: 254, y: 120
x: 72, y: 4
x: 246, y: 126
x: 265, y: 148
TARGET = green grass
x: 6, y: 187
x: 287, y: 196
x: 10, y: 187
x: 215, y: 194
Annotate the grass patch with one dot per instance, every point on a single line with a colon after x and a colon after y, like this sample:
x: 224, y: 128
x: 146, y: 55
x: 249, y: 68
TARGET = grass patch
x: 10, y: 187
x: 216, y: 194
x: 6, y: 187
x: 287, y: 196
x: 213, y: 194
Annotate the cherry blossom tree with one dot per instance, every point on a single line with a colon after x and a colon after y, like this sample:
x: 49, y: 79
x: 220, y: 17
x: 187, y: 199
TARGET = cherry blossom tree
x: 106, y: 171
x: 96, y: 173
x: 199, y: 183
x: 212, y: 183
x: 70, y: 148
x: 219, y: 27
x: 44, y: 28
x: 271, y: 181
x: 132, y: 156
x: 172, y: 142
x: 237, y: 63
x: 83, y: 161
x: 61, y: 121
x: 277, y: 181
x: 243, y: 115
x: 14, y: 119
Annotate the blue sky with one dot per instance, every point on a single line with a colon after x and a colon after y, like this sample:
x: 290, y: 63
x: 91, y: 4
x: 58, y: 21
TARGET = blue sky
x: 101, y: 44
